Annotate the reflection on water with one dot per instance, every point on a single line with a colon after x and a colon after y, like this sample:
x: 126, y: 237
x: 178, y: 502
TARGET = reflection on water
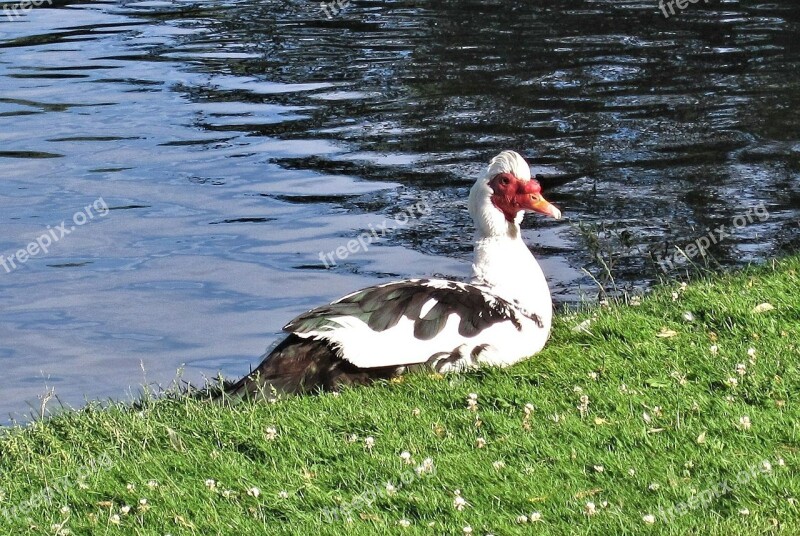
x: 236, y: 141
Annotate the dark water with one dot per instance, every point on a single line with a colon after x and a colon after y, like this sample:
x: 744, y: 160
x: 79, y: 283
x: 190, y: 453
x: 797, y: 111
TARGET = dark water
x: 232, y: 142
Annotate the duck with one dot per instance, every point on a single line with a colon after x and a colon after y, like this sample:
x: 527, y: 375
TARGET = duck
x: 501, y: 316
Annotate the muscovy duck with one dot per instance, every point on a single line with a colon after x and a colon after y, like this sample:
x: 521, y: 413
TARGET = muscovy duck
x: 501, y: 317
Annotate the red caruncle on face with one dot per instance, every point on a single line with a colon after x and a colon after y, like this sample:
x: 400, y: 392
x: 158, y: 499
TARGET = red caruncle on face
x: 511, y: 194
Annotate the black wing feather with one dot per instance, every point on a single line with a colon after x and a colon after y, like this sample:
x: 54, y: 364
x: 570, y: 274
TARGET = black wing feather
x: 382, y: 307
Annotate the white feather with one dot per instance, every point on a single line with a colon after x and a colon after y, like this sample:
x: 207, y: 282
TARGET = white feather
x: 366, y: 348
x: 426, y: 307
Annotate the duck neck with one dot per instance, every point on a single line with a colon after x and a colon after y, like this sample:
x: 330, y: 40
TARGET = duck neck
x: 505, y: 264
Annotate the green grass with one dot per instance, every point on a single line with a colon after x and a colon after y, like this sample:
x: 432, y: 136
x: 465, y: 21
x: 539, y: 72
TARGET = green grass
x: 96, y: 461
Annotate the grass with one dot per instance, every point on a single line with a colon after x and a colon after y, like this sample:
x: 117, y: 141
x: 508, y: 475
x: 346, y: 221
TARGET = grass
x: 662, y: 425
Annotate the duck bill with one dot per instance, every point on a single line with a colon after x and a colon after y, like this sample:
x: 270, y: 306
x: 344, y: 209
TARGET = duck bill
x: 537, y: 203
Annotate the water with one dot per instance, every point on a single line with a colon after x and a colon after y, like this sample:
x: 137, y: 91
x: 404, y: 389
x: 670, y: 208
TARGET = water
x: 233, y: 142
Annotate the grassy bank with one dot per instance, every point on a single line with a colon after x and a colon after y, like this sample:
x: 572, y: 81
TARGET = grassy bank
x: 683, y: 408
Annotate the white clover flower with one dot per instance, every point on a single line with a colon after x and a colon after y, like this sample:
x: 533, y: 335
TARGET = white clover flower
x: 744, y: 422
x: 271, y: 433
x: 741, y: 369
x: 415, y: 412
x: 404, y: 523
x: 283, y: 494
x: 649, y: 519
x: 405, y: 456
x: 590, y: 508
x: 631, y: 471
x: 751, y: 352
x: 426, y: 467
x: 64, y: 509
x: 599, y: 468
x: 688, y: 316
x: 535, y: 516
x: 390, y: 489
x: 522, y: 519
x: 654, y: 486
x: 369, y: 442
x: 211, y: 483
x: 254, y: 492
x: 499, y: 464
x: 131, y: 487
x: 731, y: 382
x: 458, y: 501
x: 528, y: 409
x: 114, y: 519
x: 744, y: 512
x: 152, y: 484
x: 766, y: 466
x: 125, y: 509
x: 467, y: 530
x: 714, y: 349
x: 480, y: 442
